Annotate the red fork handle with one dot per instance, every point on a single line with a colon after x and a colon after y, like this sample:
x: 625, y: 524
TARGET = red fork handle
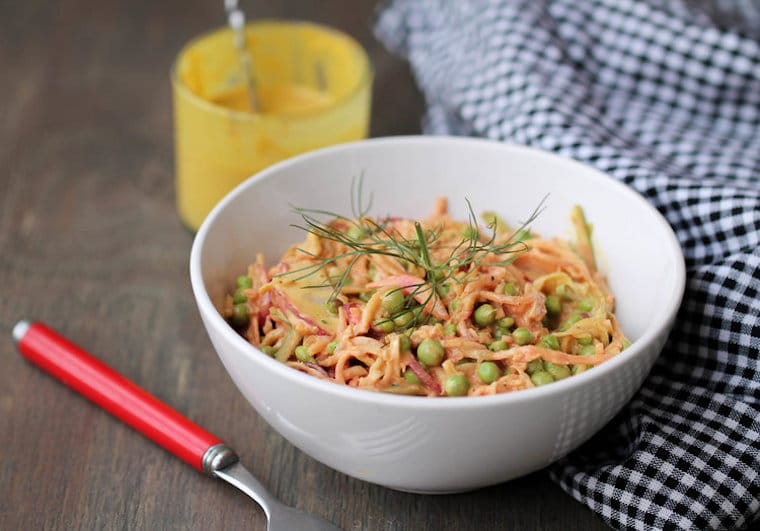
x: 124, y: 399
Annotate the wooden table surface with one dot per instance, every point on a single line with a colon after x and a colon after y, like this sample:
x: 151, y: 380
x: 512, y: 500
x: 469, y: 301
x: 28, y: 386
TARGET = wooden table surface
x: 90, y: 243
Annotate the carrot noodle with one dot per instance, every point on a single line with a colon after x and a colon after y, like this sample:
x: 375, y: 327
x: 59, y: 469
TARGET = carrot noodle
x: 550, y: 311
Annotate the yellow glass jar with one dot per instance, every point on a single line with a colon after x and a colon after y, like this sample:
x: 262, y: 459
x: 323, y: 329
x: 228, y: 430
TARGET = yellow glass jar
x: 313, y: 89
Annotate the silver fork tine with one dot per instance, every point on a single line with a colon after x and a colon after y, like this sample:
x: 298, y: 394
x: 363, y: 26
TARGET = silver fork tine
x: 280, y: 517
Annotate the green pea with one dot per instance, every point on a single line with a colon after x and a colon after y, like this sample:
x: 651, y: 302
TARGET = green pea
x: 564, y: 291
x: 485, y: 315
x: 550, y: 341
x: 571, y: 320
x: 386, y: 326
x: 498, y: 333
x: 585, y: 340
x: 302, y: 353
x: 626, y: 343
x: 365, y: 296
x: 522, y: 336
x: 535, y: 366
x: 269, y: 350
x: 240, y: 315
x: 586, y: 305
x: 506, y: 322
x: 497, y: 345
x: 587, y: 350
x: 421, y: 318
x: 410, y: 377
x: 577, y: 369
x: 239, y: 296
x: 356, y: 233
x: 553, y: 304
x: 332, y: 307
x: 430, y: 352
x: 450, y: 329
x: 331, y: 346
x: 454, y: 305
x: 510, y: 289
x: 443, y: 289
x: 404, y: 343
x: 541, y: 378
x: 393, y: 301
x: 488, y: 372
x: 244, y: 281
x: 403, y: 319
x: 435, y: 274
x: 456, y: 385
x: 558, y: 372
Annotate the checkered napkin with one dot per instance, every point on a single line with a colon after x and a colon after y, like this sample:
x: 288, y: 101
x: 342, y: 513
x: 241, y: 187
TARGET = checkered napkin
x: 664, y: 96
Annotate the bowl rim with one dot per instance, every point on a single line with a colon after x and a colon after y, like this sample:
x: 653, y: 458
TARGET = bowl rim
x: 214, y: 318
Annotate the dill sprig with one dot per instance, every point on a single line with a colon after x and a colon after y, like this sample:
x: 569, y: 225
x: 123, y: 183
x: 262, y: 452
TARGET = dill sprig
x: 366, y: 236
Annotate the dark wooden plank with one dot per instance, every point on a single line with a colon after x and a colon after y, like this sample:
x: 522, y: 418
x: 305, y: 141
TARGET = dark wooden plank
x: 90, y: 243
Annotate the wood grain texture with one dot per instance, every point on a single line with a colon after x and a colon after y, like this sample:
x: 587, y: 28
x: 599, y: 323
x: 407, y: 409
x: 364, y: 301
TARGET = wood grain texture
x: 90, y: 243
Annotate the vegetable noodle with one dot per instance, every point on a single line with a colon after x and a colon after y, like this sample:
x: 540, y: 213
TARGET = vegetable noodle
x: 434, y: 307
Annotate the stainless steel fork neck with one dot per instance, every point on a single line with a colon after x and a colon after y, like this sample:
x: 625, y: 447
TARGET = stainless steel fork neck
x: 218, y: 457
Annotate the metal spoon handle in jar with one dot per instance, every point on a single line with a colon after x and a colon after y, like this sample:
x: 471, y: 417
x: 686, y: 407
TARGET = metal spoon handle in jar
x: 130, y: 403
x: 236, y: 22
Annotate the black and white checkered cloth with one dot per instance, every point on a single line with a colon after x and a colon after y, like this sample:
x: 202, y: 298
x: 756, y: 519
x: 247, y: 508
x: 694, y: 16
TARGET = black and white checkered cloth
x: 664, y: 96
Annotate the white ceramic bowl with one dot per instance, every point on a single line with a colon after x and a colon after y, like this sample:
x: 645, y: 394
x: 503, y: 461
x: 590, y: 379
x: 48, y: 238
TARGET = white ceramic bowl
x: 438, y: 445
